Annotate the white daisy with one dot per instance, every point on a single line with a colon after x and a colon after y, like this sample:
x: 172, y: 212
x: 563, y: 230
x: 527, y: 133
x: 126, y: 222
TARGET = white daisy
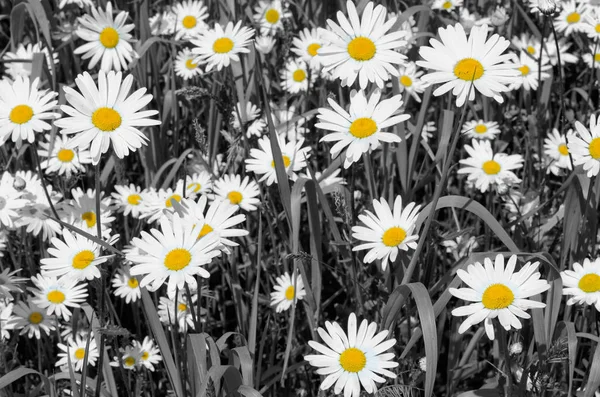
x: 592, y: 58
x: 251, y: 120
x: 63, y: 160
x: 129, y: 358
x: 185, y: 67
x: 218, y: 47
x: 446, y: 5
x: 585, y: 146
x: 19, y: 63
x: 498, y: 292
x: 566, y: 54
x: 126, y: 286
x: 57, y: 295
x: 130, y: 199
x: 480, y: 129
x: 261, y: 160
x: 361, y: 48
x: 571, y: 18
x: 242, y: 192
x: 198, y: 184
x: 387, y: 231
x: 306, y: 46
x: 11, y: 201
x: 270, y: 16
x: 9, y: 284
x: 582, y: 283
x: 159, y: 202
x: 528, y: 43
x: 529, y: 68
x: 362, y: 127
x: 184, y: 317
x: 555, y: 148
x: 105, y: 114
x: 191, y: 15
x: 296, y: 77
x: 484, y: 168
x: 265, y: 44
x: 286, y: 291
x: 31, y: 320
x: 78, y: 3
x: 83, y: 212
x: 150, y: 353
x: 6, y: 319
x: 409, y: 80
x: 163, y: 24
x: 37, y: 215
x: 78, y: 351
x: 458, y: 63
x: 353, y: 359
x: 592, y: 24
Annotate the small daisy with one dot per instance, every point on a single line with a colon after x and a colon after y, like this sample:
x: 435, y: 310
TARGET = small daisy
x: 306, y: 46
x: 218, y: 47
x: 185, y: 67
x: 261, y: 160
x: 150, y: 353
x: 108, y: 39
x: 592, y: 25
x: 555, y: 148
x: 592, y: 58
x: 25, y: 110
x: 63, y: 160
x: 55, y: 296
x: 130, y: 358
x: 20, y: 62
x: 185, y: 319
x: 129, y: 199
x: 106, y: 114
x: 362, y: 127
x: 126, y: 286
x: 270, y: 16
x: 265, y: 44
x: 296, y: 77
x: 485, y: 168
x: 79, y: 352
x: 571, y: 18
x: 242, y: 192
x: 31, y: 320
x: 251, y: 121
x: 582, y: 283
x: 468, y: 20
x: 446, y: 5
x: 529, y: 68
x: 498, y: 292
x: 362, y: 48
x: 83, y: 212
x: 457, y: 63
x: 74, y: 257
x: 286, y: 291
x: 480, y: 129
x: 387, y: 231
x: 191, y: 15
x: 174, y: 253
x: 198, y: 184
x: 585, y: 146
x: 330, y: 183
x: 352, y: 359
x: 9, y: 284
x: 566, y: 54
x: 410, y: 80
x: 158, y: 203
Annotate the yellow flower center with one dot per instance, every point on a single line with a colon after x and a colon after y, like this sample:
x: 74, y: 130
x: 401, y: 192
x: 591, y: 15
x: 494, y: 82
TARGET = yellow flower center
x: 590, y: 283
x: 497, y: 296
x: 145, y: 356
x: 361, y: 48
x: 235, y: 197
x: 205, y: 230
x: 223, y: 45
x: 129, y: 361
x: 299, y: 76
x: 597, y: 57
x: 182, y: 307
x: 353, y: 360
x: 83, y: 259
x: 363, y: 127
x: 480, y: 129
x: 132, y: 282
x: 106, y: 119
x: 393, y: 236
x: 530, y: 49
x: 36, y: 318
x: 447, y: 5
x: 169, y: 202
x: 80, y: 353
x: 189, y: 22
x: 195, y: 187
x: 562, y: 149
x: 406, y: 81
x: 573, y: 17
x: 109, y: 37
x: 598, y: 28
x: 177, y: 259
x: 595, y: 148
x: 468, y: 69
x: 313, y: 48
x: 289, y: 293
x: 55, y: 297
x: 286, y: 162
x: 272, y: 16
x: 190, y: 64
x: 491, y: 167
x: 65, y: 155
x: 134, y: 199
x: 89, y: 218
x: 524, y: 70
x: 21, y: 114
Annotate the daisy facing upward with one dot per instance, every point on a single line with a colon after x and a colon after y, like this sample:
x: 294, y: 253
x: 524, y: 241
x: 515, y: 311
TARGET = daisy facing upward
x: 218, y: 47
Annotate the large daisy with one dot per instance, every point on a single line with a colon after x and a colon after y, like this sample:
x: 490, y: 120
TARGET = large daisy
x: 572, y: 18
x: 585, y: 146
x: 190, y: 15
x: 261, y: 161
x: 458, y: 63
x: 306, y: 46
x: 218, y: 47
x: 498, y: 292
x: 106, y: 114
x: 362, y: 47
x: 582, y: 283
x: 57, y: 295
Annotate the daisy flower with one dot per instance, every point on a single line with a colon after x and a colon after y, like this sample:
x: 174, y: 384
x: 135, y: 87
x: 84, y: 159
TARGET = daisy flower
x: 352, y: 359
x: 11, y: 202
x: 173, y: 254
x: 184, y: 315
x: 251, y: 120
x: 555, y: 148
x: 159, y: 202
x: 484, y: 168
x: 592, y: 58
x: 480, y: 129
x: 261, y: 160
x: 295, y: 77
x: 572, y: 18
x: 191, y: 15
x: 37, y: 215
x: 527, y: 43
x: 457, y: 63
x: 446, y: 5
x: 387, y: 231
x: 129, y: 199
x: 592, y: 24
x: 242, y: 192
x: 585, y: 146
x: 57, y: 295
x: 31, y: 320
x: 264, y: 44
x: 286, y: 291
x: 529, y: 68
x: 582, y: 283
x: 106, y: 114
x: 83, y: 212
x: 20, y: 62
x: 78, y: 351
x: 270, y: 15
x: 410, y: 80
x: 185, y: 66
x: 362, y: 127
x: 163, y: 24
x: 63, y: 160
x: 306, y: 45
x: 498, y: 292
x: 218, y: 47
x: 361, y: 48
x: 126, y: 286
x: 198, y: 184
x: 130, y: 358
x: 9, y: 284
x: 78, y: 3
x: 289, y: 121
x: 150, y: 353
x: 25, y: 109
x: 6, y: 319
x: 566, y: 54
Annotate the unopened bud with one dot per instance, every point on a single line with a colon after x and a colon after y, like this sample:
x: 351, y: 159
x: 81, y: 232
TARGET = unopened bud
x: 499, y: 16
x: 516, y: 348
x: 19, y: 183
x: 423, y: 363
x: 547, y: 7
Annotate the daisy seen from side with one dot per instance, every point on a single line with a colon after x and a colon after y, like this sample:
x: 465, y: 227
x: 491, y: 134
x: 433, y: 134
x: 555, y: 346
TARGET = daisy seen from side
x: 480, y: 129
x: 556, y: 150
x: 262, y: 163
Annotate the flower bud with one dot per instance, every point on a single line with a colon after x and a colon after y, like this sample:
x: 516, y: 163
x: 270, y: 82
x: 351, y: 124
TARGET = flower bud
x: 547, y: 7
